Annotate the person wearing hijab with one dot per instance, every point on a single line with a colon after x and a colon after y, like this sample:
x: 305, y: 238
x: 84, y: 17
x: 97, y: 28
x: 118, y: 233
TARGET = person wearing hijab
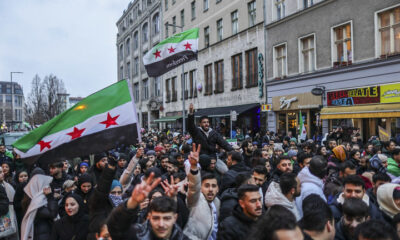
x: 388, y: 196
x: 75, y: 224
x: 39, y: 207
x: 20, y: 181
x: 10, y: 192
x: 84, y: 190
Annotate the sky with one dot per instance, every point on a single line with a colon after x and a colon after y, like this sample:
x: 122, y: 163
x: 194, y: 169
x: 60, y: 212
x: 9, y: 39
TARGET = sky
x: 72, y: 39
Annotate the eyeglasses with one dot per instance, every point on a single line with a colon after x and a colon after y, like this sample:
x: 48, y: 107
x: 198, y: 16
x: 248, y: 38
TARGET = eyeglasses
x: 116, y: 192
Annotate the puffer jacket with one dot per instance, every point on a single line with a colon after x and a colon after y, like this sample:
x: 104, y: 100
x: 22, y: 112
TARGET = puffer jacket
x: 229, y: 200
x: 200, y: 223
x: 208, y: 144
x: 228, y: 180
x: 310, y: 184
x: 237, y: 226
x: 274, y: 196
x: 44, y: 219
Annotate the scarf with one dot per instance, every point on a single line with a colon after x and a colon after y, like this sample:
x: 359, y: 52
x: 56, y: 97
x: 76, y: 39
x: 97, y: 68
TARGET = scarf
x: 385, y: 199
x: 116, y: 200
x: 34, y: 190
x: 339, y: 153
x: 206, y: 133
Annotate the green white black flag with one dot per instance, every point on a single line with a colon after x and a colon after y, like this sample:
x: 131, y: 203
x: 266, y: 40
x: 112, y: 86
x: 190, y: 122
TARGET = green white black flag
x: 172, y: 52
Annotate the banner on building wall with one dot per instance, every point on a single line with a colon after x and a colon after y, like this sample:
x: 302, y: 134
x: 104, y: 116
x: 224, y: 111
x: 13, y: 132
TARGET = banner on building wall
x: 390, y: 93
x: 383, y: 134
x: 356, y: 96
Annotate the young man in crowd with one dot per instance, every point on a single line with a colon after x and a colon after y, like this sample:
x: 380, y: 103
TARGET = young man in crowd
x: 355, y: 212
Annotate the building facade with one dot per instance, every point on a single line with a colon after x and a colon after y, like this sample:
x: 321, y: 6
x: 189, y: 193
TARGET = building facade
x: 350, y: 58
x: 139, y: 29
x: 225, y: 76
x: 11, y: 104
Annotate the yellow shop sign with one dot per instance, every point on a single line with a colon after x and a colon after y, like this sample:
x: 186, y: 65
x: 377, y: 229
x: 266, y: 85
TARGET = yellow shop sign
x: 390, y: 93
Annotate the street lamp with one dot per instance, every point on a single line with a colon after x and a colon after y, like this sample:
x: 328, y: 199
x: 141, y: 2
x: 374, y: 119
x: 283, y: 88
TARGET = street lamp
x: 12, y: 97
x: 183, y: 86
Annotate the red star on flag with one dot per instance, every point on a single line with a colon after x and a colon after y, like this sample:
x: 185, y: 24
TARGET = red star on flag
x: 188, y: 46
x: 44, y: 145
x: 76, y: 133
x: 157, y: 54
x: 110, y: 120
x: 171, y: 49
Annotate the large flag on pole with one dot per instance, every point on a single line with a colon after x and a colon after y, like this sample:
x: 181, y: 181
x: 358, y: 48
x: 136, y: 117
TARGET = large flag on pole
x: 302, y: 129
x: 172, y: 52
x: 95, y: 124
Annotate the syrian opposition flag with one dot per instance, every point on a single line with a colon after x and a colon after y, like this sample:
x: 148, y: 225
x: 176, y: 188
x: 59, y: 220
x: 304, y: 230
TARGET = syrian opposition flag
x: 96, y: 124
x: 172, y: 52
x: 302, y: 129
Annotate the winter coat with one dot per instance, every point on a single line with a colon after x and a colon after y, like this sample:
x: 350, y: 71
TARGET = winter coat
x: 228, y: 180
x: 99, y: 204
x: 58, y: 183
x: 340, y: 233
x: 237, y: 226
x: 274, y: 196
x: 336, y: 208
x: 201, y: 221
x: 310, y: 184
x: 67, y: 228
x: 122, y: 226
x: 95, y: 173
x: 4, y: 202
x: 208, y: 144
x: 229, y: 200
x: 44, y: 219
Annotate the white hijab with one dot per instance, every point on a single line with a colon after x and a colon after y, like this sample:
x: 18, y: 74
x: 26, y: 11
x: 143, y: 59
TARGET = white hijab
x: 34, y: 189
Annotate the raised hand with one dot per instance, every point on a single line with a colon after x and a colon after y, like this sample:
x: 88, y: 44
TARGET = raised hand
x: 171, y: 190
x: 194, y: 156
x: 139, y: 152
x: 142, y: 190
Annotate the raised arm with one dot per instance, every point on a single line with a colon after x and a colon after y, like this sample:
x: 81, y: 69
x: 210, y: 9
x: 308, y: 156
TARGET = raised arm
x: 126, y: 176
x: 194, y: 178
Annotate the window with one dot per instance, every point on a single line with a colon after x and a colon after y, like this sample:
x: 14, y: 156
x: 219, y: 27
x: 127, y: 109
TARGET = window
x: 157, y: 86
x: 280, y: 9
x: 252, y: 68
x: 206, y: 36
x: 168, y: 90
x: 128, y: 47
x: 219, y: 76
x: 136, y: 90
x: 135, y: 40
x: 121, y: 73
x: 219, y: 30
x: 193, y: 9
x: 205, y: 5
x: 174, y: 89
x: 128, y: 70
x: 121, y: 52
x: 8, y: 89
x: 208, y: 79
x: 342, y: 45
x: 186, y: 80
x: 307, y: 3
x: 307, y: 54
x: 166, y: 30
x: 389, y: 31
x: 166, y: 4
x: 237, y: 72
x: 193, y: 84
x: 280, y: 61
x: 174, y: 23
x: 145, y: 89
x: 235, y: 22
x: 143, y: 5
x: 182, y: 17
x: 145, y: 36
x: 156, y: 24
x: 136, y: 66
x: 17, y: 101
x: 18, y: 114
x: 8, y: 99
x: 252, y: 13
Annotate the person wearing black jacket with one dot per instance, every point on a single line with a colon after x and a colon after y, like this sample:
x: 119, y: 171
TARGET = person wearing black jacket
x: 236, y: 166
x: 244, y: 216
x: 84, y: 190
x: 59, y: 177
x: 204, y: 135
x: 3, y: 201
x: 75, y: 224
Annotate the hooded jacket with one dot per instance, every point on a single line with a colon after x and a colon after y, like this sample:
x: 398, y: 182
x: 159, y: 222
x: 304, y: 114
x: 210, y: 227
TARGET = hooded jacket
x: 229, y: 200
x: 310, y: 184
x: 237, y: 226
x: 228, y: 179
x: 274, y: 196
x: 385, y: 199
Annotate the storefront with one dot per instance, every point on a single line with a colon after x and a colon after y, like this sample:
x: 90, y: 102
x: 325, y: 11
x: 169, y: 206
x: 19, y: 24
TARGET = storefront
x: 366, y: 108
x: 287, y: 112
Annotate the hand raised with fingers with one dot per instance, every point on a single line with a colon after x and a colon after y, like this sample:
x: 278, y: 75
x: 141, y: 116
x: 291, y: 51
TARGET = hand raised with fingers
x: 171, y: 190
x: 194, y: 156
x: 139, y: 152
x: 142, y: 190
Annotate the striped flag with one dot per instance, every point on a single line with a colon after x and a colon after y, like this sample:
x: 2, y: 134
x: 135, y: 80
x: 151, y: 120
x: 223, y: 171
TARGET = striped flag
x: 302, y: 129
x: 172, y: 52
x: 95, y: 124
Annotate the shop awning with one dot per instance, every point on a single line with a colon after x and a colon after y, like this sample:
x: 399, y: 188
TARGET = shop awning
x: 168, y: 119
x: 369, y: 111
x: 225, y: 111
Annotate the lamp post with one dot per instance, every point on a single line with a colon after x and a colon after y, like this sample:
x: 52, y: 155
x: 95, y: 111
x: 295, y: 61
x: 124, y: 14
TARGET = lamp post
x: 183, y: 87
x: 12, y: 97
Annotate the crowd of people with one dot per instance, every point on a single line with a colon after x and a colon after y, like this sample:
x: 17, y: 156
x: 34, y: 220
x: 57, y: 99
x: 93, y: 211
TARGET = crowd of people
x: 197, y: 186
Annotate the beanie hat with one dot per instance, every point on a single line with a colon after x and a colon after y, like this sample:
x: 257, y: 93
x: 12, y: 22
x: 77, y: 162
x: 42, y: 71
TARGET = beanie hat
x: 115, y: 183
x: 151, y: 153
x: 98, y: 157
x: 339, y: 153
x: 84, y: 178
x: 278, y: 147
x: 68, y: 184
x: 158, y: 148
x: 84, y: 164
x: 293, y: 139
x: 291, y: 153
x: 204, y: 161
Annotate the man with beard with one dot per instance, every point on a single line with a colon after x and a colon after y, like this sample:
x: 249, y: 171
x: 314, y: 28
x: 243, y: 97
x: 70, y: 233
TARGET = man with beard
x: 236, y: 166
x: 100, y: 163
x: 202, y: 202
x: 284, y: 193
x: 355, y: 212
x: 5, y: 156
x: 244, y: 215
x: 205, y: 136
x: 260, y: 176
x: 284, y: 165
x: 247, y: 149
x: 59, y: 177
